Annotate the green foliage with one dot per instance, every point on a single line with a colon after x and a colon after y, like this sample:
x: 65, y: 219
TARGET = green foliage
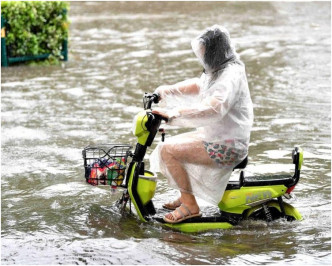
x: 35, y: 27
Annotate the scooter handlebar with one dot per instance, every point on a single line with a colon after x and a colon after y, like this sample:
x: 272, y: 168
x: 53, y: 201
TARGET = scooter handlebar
x: 150, y: 98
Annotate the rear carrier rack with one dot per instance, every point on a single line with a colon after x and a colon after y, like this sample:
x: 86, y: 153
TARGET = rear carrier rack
x: 106, y: 164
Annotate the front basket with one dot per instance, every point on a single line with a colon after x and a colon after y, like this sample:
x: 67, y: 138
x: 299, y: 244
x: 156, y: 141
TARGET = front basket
x: 106, y: 164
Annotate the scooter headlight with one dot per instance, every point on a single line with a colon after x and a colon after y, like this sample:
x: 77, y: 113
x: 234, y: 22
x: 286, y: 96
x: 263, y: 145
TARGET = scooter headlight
x: 134, y: 125
x: 139, y: 129
x: 139, y: 123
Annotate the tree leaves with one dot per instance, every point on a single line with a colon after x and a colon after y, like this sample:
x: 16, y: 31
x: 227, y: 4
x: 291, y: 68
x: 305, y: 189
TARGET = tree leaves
x: 35, y: 27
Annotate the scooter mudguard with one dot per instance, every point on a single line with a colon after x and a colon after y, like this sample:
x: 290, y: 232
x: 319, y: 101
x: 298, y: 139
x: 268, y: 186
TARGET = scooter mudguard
x: 289, y: 210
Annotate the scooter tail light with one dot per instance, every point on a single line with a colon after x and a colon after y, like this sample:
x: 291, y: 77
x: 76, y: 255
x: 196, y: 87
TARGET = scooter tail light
x: 289, y: 190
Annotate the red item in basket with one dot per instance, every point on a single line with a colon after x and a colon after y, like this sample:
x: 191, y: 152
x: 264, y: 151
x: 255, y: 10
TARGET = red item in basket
x: 96, y: 173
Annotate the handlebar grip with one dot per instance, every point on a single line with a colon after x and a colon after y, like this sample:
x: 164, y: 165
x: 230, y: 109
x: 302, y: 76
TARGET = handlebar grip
x: 156, y: 97
x: 149, y: 98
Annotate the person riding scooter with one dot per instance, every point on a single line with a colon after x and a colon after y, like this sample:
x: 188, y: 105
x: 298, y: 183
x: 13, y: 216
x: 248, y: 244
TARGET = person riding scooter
x: 218, y: 105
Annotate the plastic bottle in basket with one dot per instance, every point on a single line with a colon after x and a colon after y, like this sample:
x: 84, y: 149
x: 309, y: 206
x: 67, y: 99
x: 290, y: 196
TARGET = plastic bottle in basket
x: 115, y: 172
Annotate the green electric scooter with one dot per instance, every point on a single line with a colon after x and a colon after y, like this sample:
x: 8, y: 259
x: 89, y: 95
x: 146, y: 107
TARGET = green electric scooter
x: 249, y: 197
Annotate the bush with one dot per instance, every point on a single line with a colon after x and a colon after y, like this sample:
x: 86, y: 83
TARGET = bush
x: 35, y: 28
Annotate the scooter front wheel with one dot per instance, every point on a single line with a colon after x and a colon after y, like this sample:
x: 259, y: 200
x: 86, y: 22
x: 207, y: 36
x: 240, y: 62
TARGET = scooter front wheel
x: 271, y: 211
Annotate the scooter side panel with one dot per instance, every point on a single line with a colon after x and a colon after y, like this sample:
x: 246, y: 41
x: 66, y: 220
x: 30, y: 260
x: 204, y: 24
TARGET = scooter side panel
x: 238, y: 200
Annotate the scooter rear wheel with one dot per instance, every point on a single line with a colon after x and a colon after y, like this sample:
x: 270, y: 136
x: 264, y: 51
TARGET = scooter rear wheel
x: 272, y: 211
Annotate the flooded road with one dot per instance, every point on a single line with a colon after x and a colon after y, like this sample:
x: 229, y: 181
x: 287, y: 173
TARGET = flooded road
x: 119, y: 50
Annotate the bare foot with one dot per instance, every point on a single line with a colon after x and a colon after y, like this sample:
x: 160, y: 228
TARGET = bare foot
x: 172, y: 205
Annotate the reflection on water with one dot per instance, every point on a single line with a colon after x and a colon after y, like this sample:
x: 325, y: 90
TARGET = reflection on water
x: 117, y: 52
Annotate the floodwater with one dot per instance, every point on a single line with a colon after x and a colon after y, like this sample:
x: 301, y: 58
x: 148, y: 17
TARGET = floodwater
x: 119, y: 50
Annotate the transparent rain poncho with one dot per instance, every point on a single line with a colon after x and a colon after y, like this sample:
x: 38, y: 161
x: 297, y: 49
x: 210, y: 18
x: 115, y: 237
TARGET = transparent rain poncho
x: 219, y: 109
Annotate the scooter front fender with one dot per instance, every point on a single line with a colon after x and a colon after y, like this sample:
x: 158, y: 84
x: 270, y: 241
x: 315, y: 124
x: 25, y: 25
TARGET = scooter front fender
x: 141, y: 189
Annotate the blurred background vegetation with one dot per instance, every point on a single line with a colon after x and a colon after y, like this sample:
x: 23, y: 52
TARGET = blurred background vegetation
x: 35, y: 28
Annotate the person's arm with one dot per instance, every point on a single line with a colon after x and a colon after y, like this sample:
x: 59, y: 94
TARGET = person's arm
x: 192, y: 117
x: 212, y: 109
x: 189, y: 86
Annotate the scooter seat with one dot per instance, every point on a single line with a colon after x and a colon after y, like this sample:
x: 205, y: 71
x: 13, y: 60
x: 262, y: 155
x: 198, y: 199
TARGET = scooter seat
x: 242, y: 164
x: 266, y: 180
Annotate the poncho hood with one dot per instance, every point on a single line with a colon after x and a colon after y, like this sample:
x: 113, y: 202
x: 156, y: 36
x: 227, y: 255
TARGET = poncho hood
x: 214, y: 49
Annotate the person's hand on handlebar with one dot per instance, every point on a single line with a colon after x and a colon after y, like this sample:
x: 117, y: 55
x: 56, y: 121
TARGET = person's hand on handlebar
x: 160, y: 112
